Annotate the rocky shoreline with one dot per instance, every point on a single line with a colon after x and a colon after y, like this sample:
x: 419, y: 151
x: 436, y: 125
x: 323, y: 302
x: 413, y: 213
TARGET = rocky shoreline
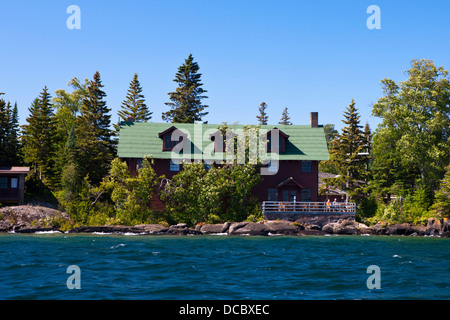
x: 35, y: 219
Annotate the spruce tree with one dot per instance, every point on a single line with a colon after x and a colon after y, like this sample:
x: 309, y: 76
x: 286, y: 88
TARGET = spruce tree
x: 10, y: 150
x: 186, y: 102
x: 95, y: 148
x: 39, y: 139
x: 4, y: 133
x: 262, y: 117
x: 347, y: 154
x: 134, y: 105
x: 285, y: 119
x: 441, y: 206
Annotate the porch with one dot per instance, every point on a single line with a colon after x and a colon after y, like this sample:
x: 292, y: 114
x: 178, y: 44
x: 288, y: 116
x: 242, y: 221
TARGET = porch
x: 281, y: 207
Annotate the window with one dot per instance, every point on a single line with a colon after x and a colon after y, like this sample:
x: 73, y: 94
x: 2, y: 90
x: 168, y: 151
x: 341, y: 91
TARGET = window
x: 306, y: 166
x: 3, y: 182
x: 174, y: 166
x: 306, y: 194
x: 285, y: 195
x: 14, y: 183
x: 168, y: 143
x: 272, y: 194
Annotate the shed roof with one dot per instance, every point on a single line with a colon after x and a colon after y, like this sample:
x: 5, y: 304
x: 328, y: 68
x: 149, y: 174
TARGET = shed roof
x: 14, y: 170
x: 140, y: 139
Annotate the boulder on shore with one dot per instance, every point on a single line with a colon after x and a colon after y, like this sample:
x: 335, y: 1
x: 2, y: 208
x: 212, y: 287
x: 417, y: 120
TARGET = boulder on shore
x: 212, y: 228
x: 28, y: 217
x: 433, y: 227
x: 282, y: 227
x: 248, y: 228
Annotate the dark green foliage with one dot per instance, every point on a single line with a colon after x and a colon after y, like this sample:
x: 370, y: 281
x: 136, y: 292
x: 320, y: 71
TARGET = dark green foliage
x: 220, y: 194
x: 441, y: 206
x: 186, y: 102
x: 347, y: 155
x: 39, y: 140
x: 134, y: 105
x: 10, y: 151
x: 95, y: 148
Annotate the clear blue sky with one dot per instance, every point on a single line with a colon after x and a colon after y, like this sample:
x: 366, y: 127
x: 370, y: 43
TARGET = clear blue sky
x: 304, y: 55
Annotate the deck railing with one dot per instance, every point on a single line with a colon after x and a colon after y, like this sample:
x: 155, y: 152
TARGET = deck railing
x: 306, y: 207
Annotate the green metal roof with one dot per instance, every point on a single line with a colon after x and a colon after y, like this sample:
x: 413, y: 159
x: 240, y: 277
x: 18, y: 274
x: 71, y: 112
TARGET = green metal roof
x: 140, y: 139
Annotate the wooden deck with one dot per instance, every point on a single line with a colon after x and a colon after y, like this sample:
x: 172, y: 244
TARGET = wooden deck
x: 308, y: 207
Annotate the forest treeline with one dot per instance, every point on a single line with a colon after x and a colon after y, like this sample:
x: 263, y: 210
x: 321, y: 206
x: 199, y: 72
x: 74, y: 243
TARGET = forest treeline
x: 400, y: 172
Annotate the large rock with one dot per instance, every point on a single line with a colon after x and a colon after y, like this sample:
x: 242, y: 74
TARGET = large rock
x: 27, y: 217
x: 212, y: 228
x: 152, y: 228
x: 106, y: 229
x: 446, y: 225
x: 402, y: 229
x: 182, y: 229
x: 433, y: 227
x: 248, y: 228
x: 282, y: 227
x: 329, y: 228
x: 380, y: 229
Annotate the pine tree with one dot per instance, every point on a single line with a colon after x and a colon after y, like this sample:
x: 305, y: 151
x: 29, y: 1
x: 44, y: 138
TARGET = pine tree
x: 134, y: 105
x: 347, y: 153
x: 95, y: 148
x: 186, y: 102
x: 441, y: 205
x: 9, y: 135
x: 39, y: 138
x: 262, y: 117
x: 367, y: 143
x: 4, y: 132
x: 285, y: 119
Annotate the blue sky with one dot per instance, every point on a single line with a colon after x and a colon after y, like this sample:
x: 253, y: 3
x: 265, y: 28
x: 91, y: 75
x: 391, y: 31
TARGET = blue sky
x: 303, y: 55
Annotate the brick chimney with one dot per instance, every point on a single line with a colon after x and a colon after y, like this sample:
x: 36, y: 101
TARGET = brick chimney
x: 130, y: 119
x: 314, y: 119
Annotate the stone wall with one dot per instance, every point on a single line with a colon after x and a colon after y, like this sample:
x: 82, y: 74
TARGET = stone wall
x: 319, y: 219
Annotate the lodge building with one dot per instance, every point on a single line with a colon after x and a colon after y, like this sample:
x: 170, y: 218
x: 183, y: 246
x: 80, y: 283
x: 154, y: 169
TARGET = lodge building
x: 294, y: 177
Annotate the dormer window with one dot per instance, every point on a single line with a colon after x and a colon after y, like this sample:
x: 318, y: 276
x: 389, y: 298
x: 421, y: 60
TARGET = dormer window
x: 220, y: 140
x: 282, y: 137
x: 167, y: 137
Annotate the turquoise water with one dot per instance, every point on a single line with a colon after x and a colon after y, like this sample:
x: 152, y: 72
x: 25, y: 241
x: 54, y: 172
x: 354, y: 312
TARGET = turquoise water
x: 223, y: 267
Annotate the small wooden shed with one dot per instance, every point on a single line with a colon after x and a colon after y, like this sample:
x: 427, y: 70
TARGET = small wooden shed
x: 12, y: 184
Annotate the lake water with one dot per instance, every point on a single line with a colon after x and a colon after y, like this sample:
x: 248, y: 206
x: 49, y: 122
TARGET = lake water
x: 222, y: 267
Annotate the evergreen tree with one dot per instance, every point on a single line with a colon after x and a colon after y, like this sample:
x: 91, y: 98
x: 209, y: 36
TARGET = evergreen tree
x: 285, y: 119
x: 9, y: 135
x: 39, y: 139
x: 262, y: 117
x: 441, y: 205
x: 186, y: 102
x: 134, y: 104
x: 347, y: 154
x: 4, y: 132
x: 95, y: 148
x: 367, y: 143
